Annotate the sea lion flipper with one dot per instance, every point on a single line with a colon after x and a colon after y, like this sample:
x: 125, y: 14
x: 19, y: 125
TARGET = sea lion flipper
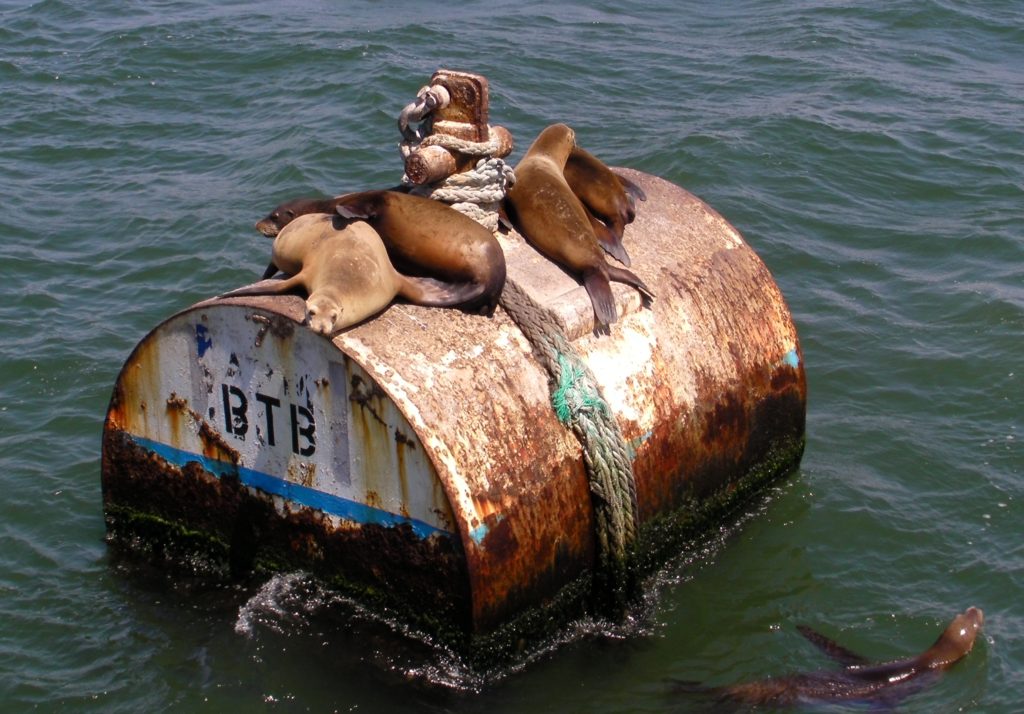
x: 270, y: 271
x: 609, y: 241
x: 830, y: 647
x: 351, y: 212
x: 267, y: 287
x: 600, y: 292
x: 621, y: 275
x: 431, y: 292
x: 632, y: 190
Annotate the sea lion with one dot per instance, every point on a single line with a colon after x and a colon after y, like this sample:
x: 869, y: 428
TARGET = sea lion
x: 548, y: 214
x: 288, y: 211
x: 858, y: 679
x: 434, y: 240
x: 344, y: 269
x: 422, y: 236
x: 610, y: 199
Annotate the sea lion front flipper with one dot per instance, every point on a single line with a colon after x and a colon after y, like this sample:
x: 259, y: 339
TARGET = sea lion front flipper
x: 830, y: 647
x: 608, y: 240
x: 351, y: 212
x: 271, y: 271
x: 267, y: 287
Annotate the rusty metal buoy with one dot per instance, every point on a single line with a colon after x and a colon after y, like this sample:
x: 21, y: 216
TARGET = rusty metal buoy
x: 415, y: 461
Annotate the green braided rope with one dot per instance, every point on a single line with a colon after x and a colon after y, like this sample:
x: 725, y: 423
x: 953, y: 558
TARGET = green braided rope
x: 572, y: 398
x: 578, y: 403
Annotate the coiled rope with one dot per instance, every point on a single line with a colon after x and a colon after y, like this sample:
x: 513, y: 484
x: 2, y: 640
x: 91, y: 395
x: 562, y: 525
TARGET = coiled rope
x: 477, y: 192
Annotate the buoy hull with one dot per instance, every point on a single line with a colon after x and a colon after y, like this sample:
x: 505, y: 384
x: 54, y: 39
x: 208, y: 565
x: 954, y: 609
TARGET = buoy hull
x: 415, y: 460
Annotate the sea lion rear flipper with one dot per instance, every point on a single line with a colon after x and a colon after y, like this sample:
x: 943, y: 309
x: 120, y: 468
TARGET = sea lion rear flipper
x: 830, y: 647
x: 267, y: 287
x: 621, y: 275
x: 431, y: 292
x: 600, y: 292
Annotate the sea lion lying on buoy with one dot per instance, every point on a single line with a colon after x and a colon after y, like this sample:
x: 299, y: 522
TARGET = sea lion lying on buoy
x: 286, y: 212
x: 609, y: 198
x: 271, y: 224
x: 443, y: 247
x: 548, y: 214
x: 344, y: 269
x: 432, y: 239
x: 858, y: 679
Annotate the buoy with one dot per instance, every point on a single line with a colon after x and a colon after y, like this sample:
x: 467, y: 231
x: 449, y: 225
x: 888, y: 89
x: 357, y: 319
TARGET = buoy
x: 416, y: 462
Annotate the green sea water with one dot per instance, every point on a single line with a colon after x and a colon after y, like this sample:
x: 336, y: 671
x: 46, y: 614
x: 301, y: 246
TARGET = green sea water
x: 871, y: 153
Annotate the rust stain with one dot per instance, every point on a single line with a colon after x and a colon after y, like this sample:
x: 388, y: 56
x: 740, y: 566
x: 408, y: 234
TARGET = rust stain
x: 425, y: 577
x: 214, y: 444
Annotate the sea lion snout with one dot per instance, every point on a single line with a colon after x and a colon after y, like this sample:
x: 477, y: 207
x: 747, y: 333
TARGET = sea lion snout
x: 322, y: 317
x: 971, y: 622
x: 267, y: 227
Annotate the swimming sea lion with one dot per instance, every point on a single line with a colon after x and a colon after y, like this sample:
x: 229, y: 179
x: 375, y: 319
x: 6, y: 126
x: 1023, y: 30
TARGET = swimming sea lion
x: 434, y: 240
x: 608, y: 197
x: 859, y: 680
x: 344, y: 269
x: 548, y: 214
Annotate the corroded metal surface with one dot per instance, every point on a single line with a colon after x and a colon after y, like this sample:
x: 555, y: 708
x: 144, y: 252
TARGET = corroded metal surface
x: 449, y: 425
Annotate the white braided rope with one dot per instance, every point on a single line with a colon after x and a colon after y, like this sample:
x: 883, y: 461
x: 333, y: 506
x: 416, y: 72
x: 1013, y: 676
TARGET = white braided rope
x: 453, y: 143
x: 476, y: 193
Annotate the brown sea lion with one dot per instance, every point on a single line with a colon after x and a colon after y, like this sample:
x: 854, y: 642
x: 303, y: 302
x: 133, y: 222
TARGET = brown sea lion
x: 288, y: 211
x: 423, y: 237
x: 548, y: 214
x: 858, y: 679
x: 344, y: 269
x: 434, y: 240
x: 609, y: 198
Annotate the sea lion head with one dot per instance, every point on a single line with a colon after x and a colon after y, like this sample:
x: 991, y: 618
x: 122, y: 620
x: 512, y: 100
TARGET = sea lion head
x: 957, y: 639
x: 555, y: 141
x: 322, y: 314
x: 284, y: 214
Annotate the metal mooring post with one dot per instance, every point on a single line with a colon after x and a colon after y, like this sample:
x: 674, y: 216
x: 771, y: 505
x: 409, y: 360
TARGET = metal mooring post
x: 454, y: 133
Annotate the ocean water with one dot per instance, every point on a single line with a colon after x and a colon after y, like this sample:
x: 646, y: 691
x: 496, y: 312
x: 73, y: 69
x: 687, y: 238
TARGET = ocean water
x: 871, y: 153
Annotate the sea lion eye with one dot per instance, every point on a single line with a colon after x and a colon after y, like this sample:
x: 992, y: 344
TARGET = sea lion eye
x: 291, y: 214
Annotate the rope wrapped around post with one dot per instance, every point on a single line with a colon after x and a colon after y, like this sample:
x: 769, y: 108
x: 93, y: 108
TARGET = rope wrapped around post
x: 579, y: 404
x: 477, y: 192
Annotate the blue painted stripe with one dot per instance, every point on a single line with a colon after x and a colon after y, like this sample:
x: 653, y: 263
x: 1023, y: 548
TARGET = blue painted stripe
x: 296, y: 493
